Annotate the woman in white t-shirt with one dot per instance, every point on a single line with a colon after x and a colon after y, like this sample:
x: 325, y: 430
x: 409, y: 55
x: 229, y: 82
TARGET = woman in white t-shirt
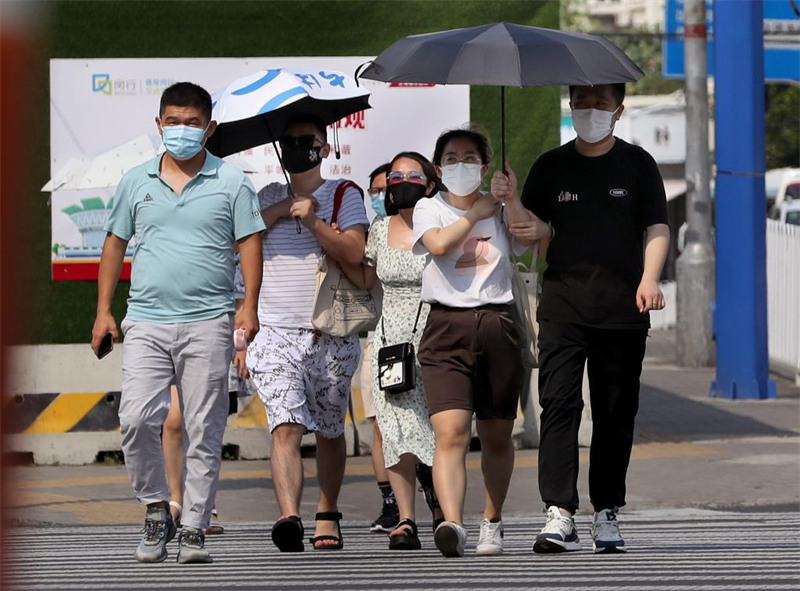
x: 470, y: 349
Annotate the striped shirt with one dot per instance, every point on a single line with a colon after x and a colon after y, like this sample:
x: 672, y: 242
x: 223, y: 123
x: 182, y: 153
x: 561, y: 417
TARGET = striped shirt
x: 291, y: 259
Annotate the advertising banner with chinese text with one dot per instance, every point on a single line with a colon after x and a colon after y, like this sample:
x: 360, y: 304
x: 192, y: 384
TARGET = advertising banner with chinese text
x: 98, y: 104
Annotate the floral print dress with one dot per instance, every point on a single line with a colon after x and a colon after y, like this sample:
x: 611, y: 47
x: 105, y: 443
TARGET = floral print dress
x: 403, y: 418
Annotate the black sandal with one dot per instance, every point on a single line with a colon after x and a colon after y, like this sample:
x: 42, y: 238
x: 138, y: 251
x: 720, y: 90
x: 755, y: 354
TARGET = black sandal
x: 287, y: 534
x: 406, y: 540
x: 330, y: 516
x: 425, y: 477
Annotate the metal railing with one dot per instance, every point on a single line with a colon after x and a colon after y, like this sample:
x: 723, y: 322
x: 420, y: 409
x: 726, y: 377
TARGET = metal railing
x: 783, y: 295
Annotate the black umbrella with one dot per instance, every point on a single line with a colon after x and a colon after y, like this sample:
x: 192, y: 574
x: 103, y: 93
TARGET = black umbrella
x: 504, y: 54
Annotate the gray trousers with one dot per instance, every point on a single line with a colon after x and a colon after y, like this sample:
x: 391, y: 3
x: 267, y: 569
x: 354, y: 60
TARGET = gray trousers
x: 197, y: 355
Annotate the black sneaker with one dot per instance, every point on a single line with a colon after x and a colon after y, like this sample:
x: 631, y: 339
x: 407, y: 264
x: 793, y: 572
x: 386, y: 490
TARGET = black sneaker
x: 159, y: 528
x: 388, y: 519
x: 192, y: 546
x: 425, y: 477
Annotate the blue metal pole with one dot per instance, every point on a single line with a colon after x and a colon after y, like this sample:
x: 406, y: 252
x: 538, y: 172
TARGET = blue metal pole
x: 740, y: 322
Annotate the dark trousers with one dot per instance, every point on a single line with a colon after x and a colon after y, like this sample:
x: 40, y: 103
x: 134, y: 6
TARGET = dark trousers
x: 614, y: 366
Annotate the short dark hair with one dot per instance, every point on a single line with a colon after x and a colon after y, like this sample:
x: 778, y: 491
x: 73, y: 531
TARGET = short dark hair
x: 382, y: 169
x: 186, y: 94
x: 617, y: 89
x: 303, y: 118
x: 469, y: 132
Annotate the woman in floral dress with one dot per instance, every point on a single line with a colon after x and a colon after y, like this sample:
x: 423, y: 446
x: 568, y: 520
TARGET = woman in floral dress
x: 402, y: 417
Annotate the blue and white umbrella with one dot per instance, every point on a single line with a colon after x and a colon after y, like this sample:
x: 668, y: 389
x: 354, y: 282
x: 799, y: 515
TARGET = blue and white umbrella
x: 254, y: 110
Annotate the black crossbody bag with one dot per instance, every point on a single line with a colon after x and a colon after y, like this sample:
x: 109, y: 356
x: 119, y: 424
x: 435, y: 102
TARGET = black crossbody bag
x: 396, y: 371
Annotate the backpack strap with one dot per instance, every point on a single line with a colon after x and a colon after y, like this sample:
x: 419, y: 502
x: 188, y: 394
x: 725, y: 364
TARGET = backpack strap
x: 339, y: 194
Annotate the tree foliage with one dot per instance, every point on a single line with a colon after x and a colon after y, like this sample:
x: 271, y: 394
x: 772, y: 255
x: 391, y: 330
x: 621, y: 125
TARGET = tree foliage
x: 783, y: 125
x: 641, y: 44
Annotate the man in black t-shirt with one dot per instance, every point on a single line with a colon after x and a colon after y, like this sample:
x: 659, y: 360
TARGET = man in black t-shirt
x: 599, y: 211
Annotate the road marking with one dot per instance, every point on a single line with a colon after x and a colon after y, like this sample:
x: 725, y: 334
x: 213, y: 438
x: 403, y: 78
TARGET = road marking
x: 713, y: 551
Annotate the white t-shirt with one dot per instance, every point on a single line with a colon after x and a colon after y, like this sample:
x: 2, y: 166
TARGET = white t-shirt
x: 477, y: 271
x: 291, y: 259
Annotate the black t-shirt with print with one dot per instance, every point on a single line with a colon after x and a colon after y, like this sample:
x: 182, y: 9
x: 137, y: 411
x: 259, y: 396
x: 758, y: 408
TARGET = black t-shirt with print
x: 600, y: 208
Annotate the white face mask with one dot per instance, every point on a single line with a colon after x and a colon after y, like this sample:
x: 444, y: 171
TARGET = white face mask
x: 461, y: 179
x: 593, y: 125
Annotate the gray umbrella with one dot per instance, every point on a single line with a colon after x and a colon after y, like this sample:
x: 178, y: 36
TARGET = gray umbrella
x: 504, y: 54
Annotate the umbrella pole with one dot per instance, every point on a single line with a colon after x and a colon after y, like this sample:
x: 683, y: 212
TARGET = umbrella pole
x: 288, y: 185
x: 285, y: 174
x: 503, y: 129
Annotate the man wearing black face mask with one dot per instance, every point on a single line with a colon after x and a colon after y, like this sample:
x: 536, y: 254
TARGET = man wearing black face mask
x: 303, y: 376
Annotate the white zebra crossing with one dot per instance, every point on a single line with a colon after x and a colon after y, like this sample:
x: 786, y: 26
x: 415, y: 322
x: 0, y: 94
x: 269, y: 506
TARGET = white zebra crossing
x: 703, y: 550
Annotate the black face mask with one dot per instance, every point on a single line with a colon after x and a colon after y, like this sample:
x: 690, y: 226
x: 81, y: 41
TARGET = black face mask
x: 297, y: 160
x: 405, y: 195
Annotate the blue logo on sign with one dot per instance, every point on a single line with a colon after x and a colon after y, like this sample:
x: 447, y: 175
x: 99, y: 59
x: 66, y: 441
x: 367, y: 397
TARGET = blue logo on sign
x: 101, y: 83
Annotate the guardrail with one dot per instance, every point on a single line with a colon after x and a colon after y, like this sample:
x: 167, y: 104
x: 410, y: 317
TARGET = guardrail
x: 60, y: 406
x: 783, y: 295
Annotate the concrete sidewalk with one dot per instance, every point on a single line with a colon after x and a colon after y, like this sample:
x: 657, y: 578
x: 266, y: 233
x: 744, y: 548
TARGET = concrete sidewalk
x: 691, y: 451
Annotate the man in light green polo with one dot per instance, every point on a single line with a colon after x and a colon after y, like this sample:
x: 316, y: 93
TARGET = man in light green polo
x: 185, y: 208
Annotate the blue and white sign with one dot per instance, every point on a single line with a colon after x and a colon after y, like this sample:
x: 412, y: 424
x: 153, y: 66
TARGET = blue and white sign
x: 781, y: 40
x: 98, y: 106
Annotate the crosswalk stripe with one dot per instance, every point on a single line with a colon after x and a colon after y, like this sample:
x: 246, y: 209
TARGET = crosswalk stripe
x: 706, y: 551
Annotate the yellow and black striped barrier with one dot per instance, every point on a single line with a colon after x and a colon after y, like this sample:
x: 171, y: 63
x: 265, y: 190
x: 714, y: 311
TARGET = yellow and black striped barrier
x: 78, y: 412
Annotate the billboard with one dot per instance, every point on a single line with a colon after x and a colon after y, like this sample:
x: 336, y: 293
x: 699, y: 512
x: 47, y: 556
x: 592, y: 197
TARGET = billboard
x: 98, y: 104
x: 781, y: 40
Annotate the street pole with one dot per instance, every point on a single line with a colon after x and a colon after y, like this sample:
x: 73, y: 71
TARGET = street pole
x: 695, y: 266
x: 740, y: 316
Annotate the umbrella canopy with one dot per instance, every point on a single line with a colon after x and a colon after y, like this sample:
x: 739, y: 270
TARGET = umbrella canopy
x: 253, y: 110
x: 504, y: 54
x: 105, y: 169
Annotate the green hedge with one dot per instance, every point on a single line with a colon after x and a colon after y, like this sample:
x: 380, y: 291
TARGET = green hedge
x: 62, y: 311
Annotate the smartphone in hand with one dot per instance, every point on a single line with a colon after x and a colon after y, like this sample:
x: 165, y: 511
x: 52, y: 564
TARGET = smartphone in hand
x: 240, y: 339
x: 106, y: 346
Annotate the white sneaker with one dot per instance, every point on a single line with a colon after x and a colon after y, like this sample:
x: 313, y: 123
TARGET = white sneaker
x: 490, y: 542
x: 557, y: 535
x: 605, y: 533
x: 450, y: 538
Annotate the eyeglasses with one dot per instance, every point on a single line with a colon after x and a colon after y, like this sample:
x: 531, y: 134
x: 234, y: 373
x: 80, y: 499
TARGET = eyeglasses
x: 412, y: 177
x: 298, y: 141
x: 451, y: 159
x: 375, y: 192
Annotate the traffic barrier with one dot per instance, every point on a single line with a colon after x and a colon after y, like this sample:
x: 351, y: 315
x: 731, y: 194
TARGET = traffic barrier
x: 60, y: 406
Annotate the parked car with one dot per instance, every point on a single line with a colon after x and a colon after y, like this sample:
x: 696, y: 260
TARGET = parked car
x: 789, y: 211
x: 781, y: 185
